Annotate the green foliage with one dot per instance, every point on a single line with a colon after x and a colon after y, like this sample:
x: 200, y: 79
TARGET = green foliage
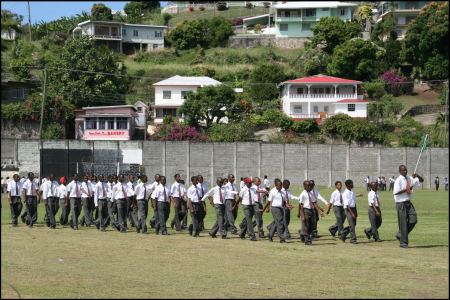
x: 202, y: 71
x: 218, y: 30
x: 133, y: 9
x: 374, y: 89
x: 234, y: 132
x: 314, y: 61
x: 357, y: 59
x: 364, y: 13
x: 426, y: 41
x: 221, y: 6
x: 331, y: 32
x: 166, y: 18
x: 63, y: 24
x: 156, y: 57
x: 21, y: 59
x: 438, y: 132
x: 53, y: 132
x: 393, y: 49
x: 100, y: 12
x: 258, y: 28
x: 263, y: 82
x: 386, y: 107
x: 382, y: 28
x: 10, y: 21
x: 411, y: 132
x: 14, y: 111
x: 309, y: 126
x: 168, y: 119
x: 285, y: 123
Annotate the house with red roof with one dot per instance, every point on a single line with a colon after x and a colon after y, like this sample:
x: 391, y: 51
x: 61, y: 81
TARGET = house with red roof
x: 321, y: 96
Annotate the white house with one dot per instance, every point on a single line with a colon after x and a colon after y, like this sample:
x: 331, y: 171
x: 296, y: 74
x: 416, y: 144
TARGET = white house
x: 171, y: 93
x: 123, y: 37
x: 9, y: 34
x: 322, y: 96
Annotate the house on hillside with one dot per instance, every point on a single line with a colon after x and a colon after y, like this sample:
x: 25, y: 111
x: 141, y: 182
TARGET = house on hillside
x: 296, y: 18
x: 123, y: 37
x: 321, y: 96
x: 9, y: 34
x: 170, y: 94
x: 14, y: 90
x: 403, y: 13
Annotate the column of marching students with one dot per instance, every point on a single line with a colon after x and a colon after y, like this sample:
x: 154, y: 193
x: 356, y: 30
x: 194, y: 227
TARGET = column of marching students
x: 109, y: 201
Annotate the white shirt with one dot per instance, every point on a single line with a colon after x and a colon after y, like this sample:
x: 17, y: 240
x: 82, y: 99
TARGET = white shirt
x: 336, y: 197
x: 131, y: 188
x: 161, y: 193
x: 231, y: 190
x: 215, y: 193
x: 349, y: 198
x: 153, y: 186
x: 143, y: 191
x: 72, y: 189
x: 101, y: 191
x: 266, y: 183
x: 259, y: 196
x: 202, y: 188
x: 87, y: 189
x: 373, y: 198
x: 194, y: 193
x: 305, y: 199
x: 241, y: 185
x: 62, y: 191
x: 400, y: 184
x: 30, y: 188
x: 14, y: 188
x: 317, y: 196
x: 275, y: 198
x: 248, y: 195
x: 119, y: 191
x: 366, y: 180
x: 288, y: 195
x: 109, y: 190
x: 50, y: 189
x: 176, y: 189
x: 391, y: 180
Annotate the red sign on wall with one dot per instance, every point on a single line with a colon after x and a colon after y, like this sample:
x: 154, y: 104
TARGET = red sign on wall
x: 122, y: 135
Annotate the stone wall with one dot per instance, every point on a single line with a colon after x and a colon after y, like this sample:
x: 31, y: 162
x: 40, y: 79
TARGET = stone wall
x: 251, y: 41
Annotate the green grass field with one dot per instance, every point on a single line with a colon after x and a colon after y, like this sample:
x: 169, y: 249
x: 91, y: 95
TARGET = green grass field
x: 62, y: 263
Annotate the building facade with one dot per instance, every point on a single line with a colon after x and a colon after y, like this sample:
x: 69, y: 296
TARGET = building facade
x: 320, y: 96
x: 123, y: 37
x: 296, y: 18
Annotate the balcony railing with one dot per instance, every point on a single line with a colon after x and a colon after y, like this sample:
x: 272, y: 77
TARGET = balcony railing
x: 327, y: 96
x: 311, y: 116
x: 110, y: 37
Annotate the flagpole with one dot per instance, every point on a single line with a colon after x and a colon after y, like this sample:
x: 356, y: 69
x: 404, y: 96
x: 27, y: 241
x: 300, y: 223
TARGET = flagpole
x: 423, y: 146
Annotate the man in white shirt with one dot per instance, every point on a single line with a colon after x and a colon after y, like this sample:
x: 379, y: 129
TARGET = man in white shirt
x: 31, y: 199
x: 337, y: 202
x: 14, y: 199
x: 261, y: 192
x: 218, y: 200
x: 154, y: 219
x: 367, y: 181
x: 349, y: 198
x: 247, y: 196
x: 50, y: 194
x: 132, y: 205
x: 406, y: 213
x: 119, y: 195
x: 203, y: 188
x: 63, y: 201
x: 112, y: 205
x: 87, y: 196
x: 241, y: 184
x: 177, y: 193
x: 196, y: 206
x: 3, y: 185
x: 230, y: 204
x: 374, y: 213
x: 74, y: 194
x: 306, y: 213
x: 266, y: 183
x: 446, y: 183
x: 391, y: 183
x: 318, y: 211
x: 276, y: 200
x: 142, y: 195
x: 100, y: 201
x: 162, y: 196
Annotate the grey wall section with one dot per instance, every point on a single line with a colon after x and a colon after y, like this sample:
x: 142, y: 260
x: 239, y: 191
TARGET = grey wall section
x: 297, y: 162
x: 9, y: 151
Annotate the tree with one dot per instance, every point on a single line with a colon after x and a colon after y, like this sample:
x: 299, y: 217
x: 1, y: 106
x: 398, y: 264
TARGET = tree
x: 10, y: 21
x: 149, y: 6
x: 426, y: 41
x: 22, y: 59
x: 133, y: 9
x: 364, y: 13
x: 357, y: 59
x: 100, y: 12
x: 235, y: 132
x: 386, y: 107
x: 87, y: 75
x: 210, y: 104
x: 263, y: 83
x: 166, y: 18
x: 393, y: 49
x: 330, y: 32
x: 382, y: 28
x: 314, y: 61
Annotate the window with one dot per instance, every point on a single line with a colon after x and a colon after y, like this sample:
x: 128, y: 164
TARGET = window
x: 316, y: 108
x: 306, y: 27
x: 139, y: 109
x: 167, y: 94
x: 283, y: 27
x: 351, y: 107
x: 287, y: 14
x: 170, y: 112
x: 327, y: 90
x: 342, y: 11
x: 101, y: 30
x: 91, y: 123
x: 158, y: 34
x: 109, y: 123
x: 325, y: 9
x: 122, y: 123
x: 114, y: 31
x: 325, y: 108
x: 101, y: 124
x: 310, y: 12
x: 135, y: 33
x: 155, y: 46
x: 124, y: 32
x: 19, y: 93
x: 184, y: 95
x: 300, y: 91
x: 297, y: 109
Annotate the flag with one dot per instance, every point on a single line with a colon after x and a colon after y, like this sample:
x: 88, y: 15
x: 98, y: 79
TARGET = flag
x: 424, y: 143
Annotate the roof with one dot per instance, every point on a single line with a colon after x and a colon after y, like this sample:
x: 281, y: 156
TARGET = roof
x: 352, y: 101
x: 322, y: 79
x: 188, y: 80
x: 118, y: 23
x: 255, y: 17
x: 313, y: 4
x: 108, y: 107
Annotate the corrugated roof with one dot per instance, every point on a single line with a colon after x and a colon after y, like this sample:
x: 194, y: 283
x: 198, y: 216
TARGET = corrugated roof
x: 188, y: 80
x: 322, y: 79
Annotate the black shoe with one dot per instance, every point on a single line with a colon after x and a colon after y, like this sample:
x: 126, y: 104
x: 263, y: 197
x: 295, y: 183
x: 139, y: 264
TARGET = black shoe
x: 270, y: 239
x: 242, y: 236
x: 333, y: 233
x: 367, y: 234
x: 123, y: 230
x: 403, y: 245
x: 103, y: 230
x: 235, y: 232
x: 212, y: 235
x: 75, y: 228
x: 378, y: 240
x: 171, y: 225
x: 22, y: 217
x: 343, y: 238
x: 165, y: 233
x: 138, y: 230
x: 224, y: 237
x: 397, y: 237
x: 282, y: 241
x: 308, y: 243
x: 302, y: 238
x: 253, y: 239
x: 353, y: 242
x: 261, y: 235
x: 97, y: 224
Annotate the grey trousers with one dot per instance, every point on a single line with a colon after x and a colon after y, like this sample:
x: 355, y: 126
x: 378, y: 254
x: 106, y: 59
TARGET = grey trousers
x: 230, y: 214
x: 259, y: 217
x: 197, y: 217
x: 102, y: 212
x: 220, y: 223
x: 53, y: 206
x: 112, y: 214
x: 88, y: 208
x: 278, y: 218
x: 352, y: 224
x: 339, y: 213
x: 307, y: 225
x: 122, y: 214
x: 132, y: 211
x: 163, y: 214
x: 65, y: 211
x: 287, y: 219
x: 375, y: 223
x: 249, y: 212
x: 142, y: 213
x: 407, y: 219
x: 75, y: 207
x: 31, y: 205
x: 315, y: 219
x: 16, y: 209
x: 154, y: 219
x: 180, y: 211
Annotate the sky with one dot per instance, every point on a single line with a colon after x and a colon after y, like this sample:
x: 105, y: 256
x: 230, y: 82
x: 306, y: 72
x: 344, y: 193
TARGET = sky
x: 49, y: 11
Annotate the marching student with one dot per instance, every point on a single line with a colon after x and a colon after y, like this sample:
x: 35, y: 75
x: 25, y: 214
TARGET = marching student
x: 101, y: 201
x: 276, y: 201
x: 119, y: 195
x: 112, y: 205
x: 367, y: 182
x: 266, y: 183
x: 319, y: 211
x: 241, y: 184
x: 14, y: 199
x: 247, y: 196
x: 196, y: 206
x: 74, y: 192
x: 63, y: 201
x: 436, y: 183
x: 184, y: 221
x: 161, y: 195
x: 154, y: 219
x: 142, y: 195
x: 349, y: 200
x: 406, y: 213
x: 177, y: 193
x: 87, y: 193
x: 374, y: 213
x: 306, y: 213
x: 260, y: 192
x: 203, y: 188
x: 31, y: 199
x: 218, y: 200
x: 391, y: 183
x: 132, y: 210
x: 445, y: 183
x: 337, y: 203
x: 286, y: 210
x: 230, y: 204
x: 50, y: 194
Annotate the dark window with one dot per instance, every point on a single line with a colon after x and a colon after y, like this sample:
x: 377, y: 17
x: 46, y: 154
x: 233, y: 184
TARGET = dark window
x: 351, y: 107
x: 122, y: 123
x: 299, y: 90
x: 91, y: 123
x: 101, y: 123
x: 287, y: 14
x: 325, y: 108
x: 283, y: 27
x: 124, y: 32
x: 135, y: 33
x: 110, y: 123
x: 342, y: 11
x: 184, y: 94
x: 316, y: 108
x: 158, y: 34
x: 170, y: 112
x: 310, y: 12
x: 139, y: 109
x: 167, y: 94
x: 306, y: 26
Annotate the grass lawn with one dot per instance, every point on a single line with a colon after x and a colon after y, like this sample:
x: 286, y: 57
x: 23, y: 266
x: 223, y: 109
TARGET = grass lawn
x: 62, y: 263
x: 421, y: 97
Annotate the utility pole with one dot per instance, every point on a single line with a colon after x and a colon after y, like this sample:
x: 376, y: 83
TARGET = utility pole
x: 446, y: 115
x: 29, y: 19
x: 44, y: 93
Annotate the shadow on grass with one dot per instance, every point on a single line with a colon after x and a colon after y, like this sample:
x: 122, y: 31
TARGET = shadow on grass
x: 429, y: 246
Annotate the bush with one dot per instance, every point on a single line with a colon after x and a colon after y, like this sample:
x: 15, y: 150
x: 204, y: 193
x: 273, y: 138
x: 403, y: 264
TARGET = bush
x: 249, y: 5
x: 234, y: 132
x: 237, y: 21
x: 396, y: 84
x: 139, y: 72
x: 201, y: 8
x: 374, y: 89
x: 285, y: 123
x: 314, y: 61
x: 309, y: 126
x: 53, y: 131
x: 177, y: 132
x: 266, y: 4
x: 202, y: 71
x: 221, y: 6
x: 156, y: 57
x: 191, y: 8
x: 258, y: 28
x: 411, y: 132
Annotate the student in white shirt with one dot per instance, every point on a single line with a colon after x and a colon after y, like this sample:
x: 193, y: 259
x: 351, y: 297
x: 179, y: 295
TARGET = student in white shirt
x: 266, y: 183
x: 101, y: 202
x: 241, y: 184
x: 178, y: 193
x: 319, y: 211
x: 31, y: 199
x: 337, y: 202
x: 14, y: 199
x: 276, y: 201
x: 119, y: 195
x: 63, y: 201
x: 247, y: 196
x: 306, y: 210
x: 132, y: 205
x: 162, y: 196
x: 50, y: 194
x: 230, y: 207
x: 217, y: 198
x: 407, y: 217
x: 374, y: 213
x: 261, y: 192
x: 154, y: 219
x: 142, y: 195
x: 112, y: 205
x: 196, y: 206
x: 391, y: 183
x: 87, y: 200
x: 203, y: 188
x: 349, y: 198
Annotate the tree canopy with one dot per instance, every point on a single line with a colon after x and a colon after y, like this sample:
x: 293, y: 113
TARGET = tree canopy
x: 10, y: 21
x: 101, y: 12
x: 263, y: 83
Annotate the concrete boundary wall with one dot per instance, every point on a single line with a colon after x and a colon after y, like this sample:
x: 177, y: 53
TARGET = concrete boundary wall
x: 296, y: 162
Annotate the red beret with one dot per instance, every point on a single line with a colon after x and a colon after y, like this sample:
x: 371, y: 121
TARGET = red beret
x: 62, y: 180
x: 247, y: 180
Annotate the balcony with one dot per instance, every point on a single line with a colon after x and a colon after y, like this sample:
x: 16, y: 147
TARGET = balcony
x: 322, y: 115
x: 288, y: 19
x: 323, y: 96
x: 107, y: 37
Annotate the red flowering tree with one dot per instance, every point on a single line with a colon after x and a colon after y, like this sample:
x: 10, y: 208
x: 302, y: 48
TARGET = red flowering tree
x: 396, y: 84
x: 177, y: 132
